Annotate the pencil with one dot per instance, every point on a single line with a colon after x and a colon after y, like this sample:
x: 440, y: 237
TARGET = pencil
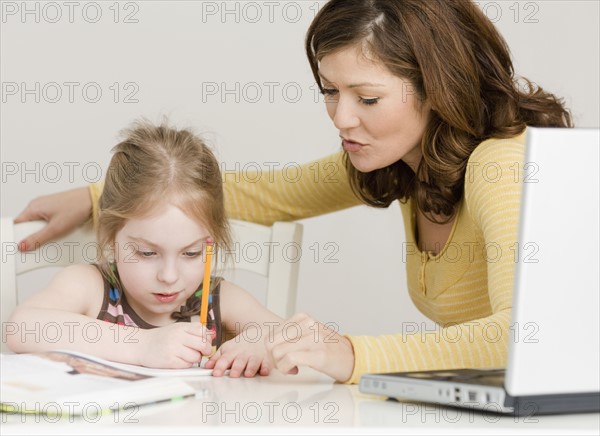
x: 206, y: 284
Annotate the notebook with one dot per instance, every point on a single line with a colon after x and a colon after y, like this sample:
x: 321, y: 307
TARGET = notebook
x: 553, y: 357
x: 67, y: 383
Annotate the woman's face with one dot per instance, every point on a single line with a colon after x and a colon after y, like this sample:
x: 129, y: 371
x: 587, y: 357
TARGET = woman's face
x: 377, y: 113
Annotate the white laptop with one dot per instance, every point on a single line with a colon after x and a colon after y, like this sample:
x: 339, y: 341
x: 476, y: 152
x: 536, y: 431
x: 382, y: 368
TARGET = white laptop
x: 553, y: 356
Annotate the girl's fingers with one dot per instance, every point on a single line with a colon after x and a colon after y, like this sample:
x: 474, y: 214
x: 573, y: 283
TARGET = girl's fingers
x: 198, y: 344
x: 266, y: 367
x: 238, y: 366
x: 252, y: 366
x: 222, y: 365
x: 210, y: 364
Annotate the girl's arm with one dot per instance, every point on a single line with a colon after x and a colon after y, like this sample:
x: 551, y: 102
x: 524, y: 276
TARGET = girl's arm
x: 63, y: 316
x: 240, y: 311
x: 251, y: 324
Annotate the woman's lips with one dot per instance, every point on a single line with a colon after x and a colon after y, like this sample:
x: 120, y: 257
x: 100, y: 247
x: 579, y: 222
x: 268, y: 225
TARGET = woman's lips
x: 351, y: 146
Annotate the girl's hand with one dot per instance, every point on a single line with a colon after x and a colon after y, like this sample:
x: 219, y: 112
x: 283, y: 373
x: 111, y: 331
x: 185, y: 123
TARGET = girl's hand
x: 64, y: 212
x: 302, y: 341
x: 241, y: 356
x: 178, y: 345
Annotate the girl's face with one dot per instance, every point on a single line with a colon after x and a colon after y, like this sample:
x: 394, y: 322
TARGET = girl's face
x: 160, y: 262
x: 377, y: 113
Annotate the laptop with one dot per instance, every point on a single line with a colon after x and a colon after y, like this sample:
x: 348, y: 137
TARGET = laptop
x: 553, y: 363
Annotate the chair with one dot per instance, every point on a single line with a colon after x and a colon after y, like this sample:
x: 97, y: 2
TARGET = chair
x: 258, y: 249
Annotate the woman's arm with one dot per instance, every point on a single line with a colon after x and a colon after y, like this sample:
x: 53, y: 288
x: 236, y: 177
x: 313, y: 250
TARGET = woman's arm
x: 64, y: 211
x: 289, y: 191
x: 63, y: 316
x: 281, y: 192
x: 493, y: 203
x: 275, y: 193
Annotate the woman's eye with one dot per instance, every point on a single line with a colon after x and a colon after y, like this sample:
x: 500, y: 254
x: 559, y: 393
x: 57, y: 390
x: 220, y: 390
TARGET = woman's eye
x: 368, y: 101
x: 329, y: 91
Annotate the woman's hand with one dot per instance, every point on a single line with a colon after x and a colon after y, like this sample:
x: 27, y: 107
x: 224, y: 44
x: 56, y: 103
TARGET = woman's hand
x: 178, y: 345
x: 245, y: 354
x: 64, y: 212
x: 302, y: 341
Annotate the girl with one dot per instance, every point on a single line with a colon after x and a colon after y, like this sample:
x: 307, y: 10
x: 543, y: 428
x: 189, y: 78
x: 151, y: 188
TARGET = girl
x: 162, y: 203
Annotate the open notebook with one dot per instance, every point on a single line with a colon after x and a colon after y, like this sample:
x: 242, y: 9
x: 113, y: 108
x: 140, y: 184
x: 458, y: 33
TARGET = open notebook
x: 554, y: 349
x: 69, y: 383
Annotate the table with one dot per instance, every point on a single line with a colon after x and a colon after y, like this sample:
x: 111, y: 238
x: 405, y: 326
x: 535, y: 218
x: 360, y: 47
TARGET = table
x: 307, y: 403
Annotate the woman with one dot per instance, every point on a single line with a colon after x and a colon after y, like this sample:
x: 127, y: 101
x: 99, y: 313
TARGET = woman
x: 430, y: 114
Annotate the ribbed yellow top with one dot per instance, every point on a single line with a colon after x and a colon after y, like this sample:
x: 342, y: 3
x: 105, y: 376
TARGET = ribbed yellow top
x: 466, y: 288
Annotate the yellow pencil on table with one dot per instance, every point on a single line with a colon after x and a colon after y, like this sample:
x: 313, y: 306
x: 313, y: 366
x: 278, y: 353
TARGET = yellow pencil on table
x: 206, y: 284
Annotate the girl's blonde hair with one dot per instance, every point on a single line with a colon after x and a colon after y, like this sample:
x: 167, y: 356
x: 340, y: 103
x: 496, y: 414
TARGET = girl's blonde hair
x: 154, y: 165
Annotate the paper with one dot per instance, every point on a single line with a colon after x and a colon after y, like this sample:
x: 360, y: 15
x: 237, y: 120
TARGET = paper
x: 151, y: 372
x: 68, y: 383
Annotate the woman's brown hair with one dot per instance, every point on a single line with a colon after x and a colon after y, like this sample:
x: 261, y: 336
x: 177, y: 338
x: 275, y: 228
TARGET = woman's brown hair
x: 157, y: 164
x: 456, y: 60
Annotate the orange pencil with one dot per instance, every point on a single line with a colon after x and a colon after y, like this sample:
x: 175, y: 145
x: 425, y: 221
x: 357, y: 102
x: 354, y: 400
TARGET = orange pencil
x: 206, y: 284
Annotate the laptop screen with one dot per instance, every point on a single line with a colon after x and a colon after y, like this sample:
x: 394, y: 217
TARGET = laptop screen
x: 554, y: 344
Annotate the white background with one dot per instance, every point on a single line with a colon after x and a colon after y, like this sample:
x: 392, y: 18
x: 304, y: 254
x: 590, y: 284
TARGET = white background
x: 169, y: 58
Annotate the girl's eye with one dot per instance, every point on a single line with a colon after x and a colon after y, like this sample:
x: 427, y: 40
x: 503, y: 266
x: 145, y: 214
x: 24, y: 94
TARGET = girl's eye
x: 192, y: 253
x: 146, y: 253
x: 368, y: 101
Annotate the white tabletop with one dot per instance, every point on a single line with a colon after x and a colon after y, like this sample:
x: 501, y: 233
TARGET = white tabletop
x: 307, y: 403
